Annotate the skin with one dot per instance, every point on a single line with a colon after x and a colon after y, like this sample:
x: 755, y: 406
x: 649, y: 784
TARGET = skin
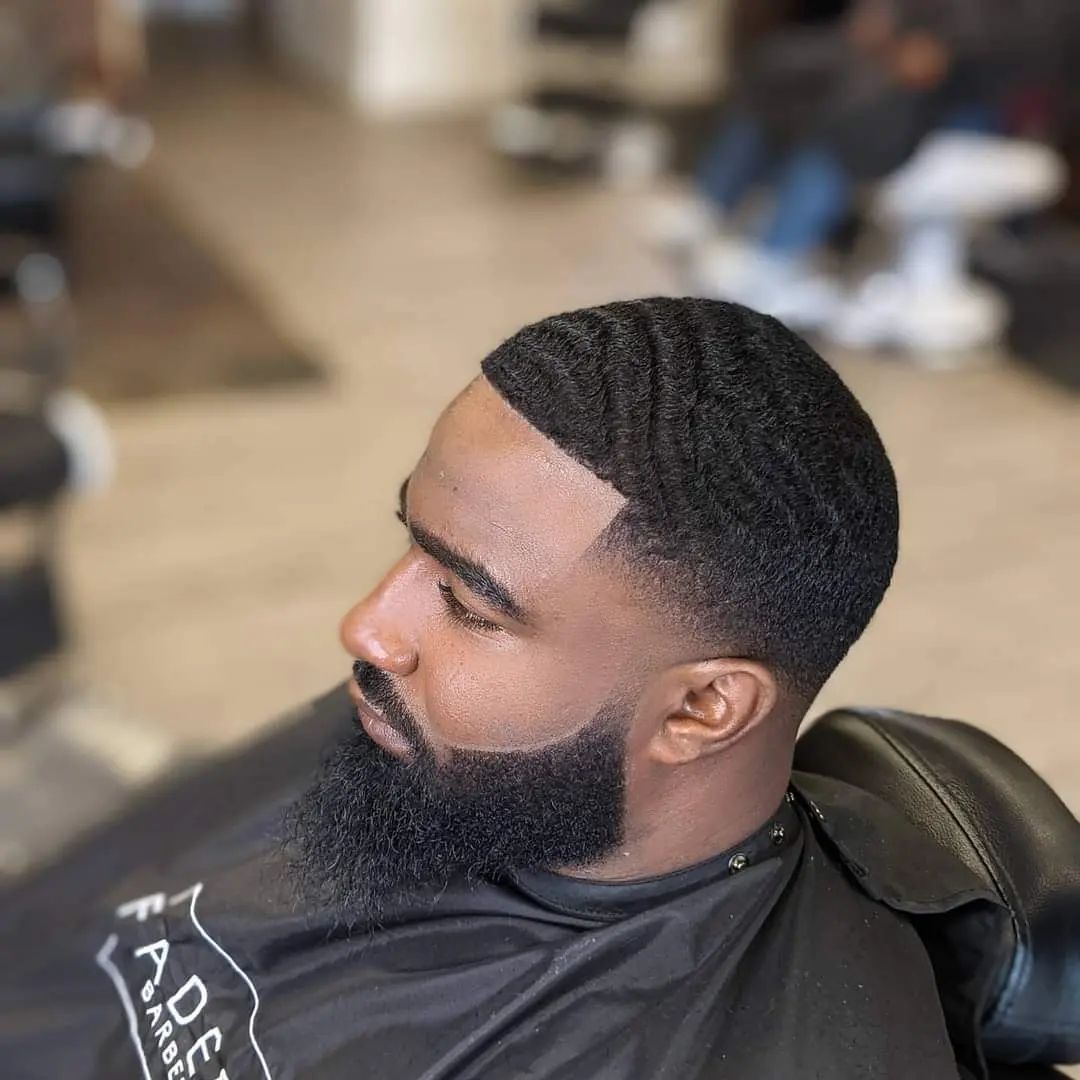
x: 709, y: 738
x: 915, y: 58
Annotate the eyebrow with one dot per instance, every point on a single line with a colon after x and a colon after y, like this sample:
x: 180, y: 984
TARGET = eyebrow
x: 476, y: 577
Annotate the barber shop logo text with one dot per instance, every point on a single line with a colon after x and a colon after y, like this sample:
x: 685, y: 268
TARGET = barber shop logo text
x: 189, y: 1007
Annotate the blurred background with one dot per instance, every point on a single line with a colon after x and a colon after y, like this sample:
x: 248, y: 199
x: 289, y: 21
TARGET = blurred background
x: 250, y: 248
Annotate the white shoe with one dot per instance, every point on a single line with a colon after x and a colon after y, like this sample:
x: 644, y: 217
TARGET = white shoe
x: 888, y: 311
x: 518, y: 130
x: 804, y: 300
x: 635, y: 154
x: 80, y: 425
x: 794, y: 291
x: 679, y: 222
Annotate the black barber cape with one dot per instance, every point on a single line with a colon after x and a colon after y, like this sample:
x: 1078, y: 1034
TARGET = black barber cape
x: 786, y: 957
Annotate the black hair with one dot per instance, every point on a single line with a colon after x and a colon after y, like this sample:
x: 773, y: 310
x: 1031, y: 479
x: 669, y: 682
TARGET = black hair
x: 760, y: 499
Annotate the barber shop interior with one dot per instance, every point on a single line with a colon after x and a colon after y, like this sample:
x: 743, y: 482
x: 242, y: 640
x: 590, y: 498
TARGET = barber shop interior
x: 539, y: 539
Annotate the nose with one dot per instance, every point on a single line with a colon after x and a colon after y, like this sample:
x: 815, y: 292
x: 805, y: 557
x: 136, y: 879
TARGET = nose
x: 378, y: 628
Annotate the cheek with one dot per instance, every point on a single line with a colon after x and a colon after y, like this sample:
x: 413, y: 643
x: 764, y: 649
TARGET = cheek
x: 478, y: 695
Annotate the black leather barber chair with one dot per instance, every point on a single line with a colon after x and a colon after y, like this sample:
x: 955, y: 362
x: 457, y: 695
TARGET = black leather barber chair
x: 34, y: 472
x: 41, y: 143
x: 579, y: 79
x: 32, y: 187
x: 33, y: 182
x: 587, y: 21
x: 980, y: 802
x: 976, y: 798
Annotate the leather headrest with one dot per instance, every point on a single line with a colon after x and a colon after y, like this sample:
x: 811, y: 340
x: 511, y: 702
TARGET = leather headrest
x: 985, y: 805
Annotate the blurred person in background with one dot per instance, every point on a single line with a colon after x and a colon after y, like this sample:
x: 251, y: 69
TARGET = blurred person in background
x: 832, y: 101
x: 83, y: 49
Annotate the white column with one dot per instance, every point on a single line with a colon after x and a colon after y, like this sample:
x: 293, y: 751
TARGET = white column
x: 320, y: 41
x: 430, y: 56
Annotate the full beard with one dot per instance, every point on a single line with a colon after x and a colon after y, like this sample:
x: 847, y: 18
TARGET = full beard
x: 374, y: 830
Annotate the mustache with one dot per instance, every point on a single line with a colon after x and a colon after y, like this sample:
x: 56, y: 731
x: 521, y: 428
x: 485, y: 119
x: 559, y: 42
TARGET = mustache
x: 379, y: 689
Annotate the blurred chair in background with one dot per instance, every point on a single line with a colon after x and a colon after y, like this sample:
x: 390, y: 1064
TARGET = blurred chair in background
x: 599, y: 76
x: 34, y: 471
x: 925, y: 300
x: 579, y: 53
x: 60, y: 72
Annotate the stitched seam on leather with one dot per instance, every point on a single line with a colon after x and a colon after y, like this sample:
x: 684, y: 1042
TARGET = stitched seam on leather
x: 927, y: 773
x: 997, y: 872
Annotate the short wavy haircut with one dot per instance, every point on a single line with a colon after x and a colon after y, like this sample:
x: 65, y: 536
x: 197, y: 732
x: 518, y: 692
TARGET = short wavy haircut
x: 761, y: 504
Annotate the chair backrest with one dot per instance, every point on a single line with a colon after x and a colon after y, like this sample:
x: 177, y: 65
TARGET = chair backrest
x: 985, y: 805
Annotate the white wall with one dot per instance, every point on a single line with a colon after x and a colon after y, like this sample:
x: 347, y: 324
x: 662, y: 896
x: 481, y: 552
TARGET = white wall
x: 408, y: 57
x: 422, y: 56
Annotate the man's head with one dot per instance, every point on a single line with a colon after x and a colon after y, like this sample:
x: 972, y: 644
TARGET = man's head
x: 637, y: 546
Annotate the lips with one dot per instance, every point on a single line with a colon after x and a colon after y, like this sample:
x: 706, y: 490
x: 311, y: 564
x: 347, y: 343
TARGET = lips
x: 361, y: 702
x: 381, y: 730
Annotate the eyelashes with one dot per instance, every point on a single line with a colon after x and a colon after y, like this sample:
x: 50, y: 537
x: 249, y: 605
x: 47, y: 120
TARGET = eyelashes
x: 461, y: 615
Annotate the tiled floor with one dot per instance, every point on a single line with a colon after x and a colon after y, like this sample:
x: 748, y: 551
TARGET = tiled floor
x: 209, y: 580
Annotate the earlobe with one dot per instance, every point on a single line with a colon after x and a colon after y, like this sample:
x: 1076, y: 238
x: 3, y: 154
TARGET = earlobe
x: 720, y: 702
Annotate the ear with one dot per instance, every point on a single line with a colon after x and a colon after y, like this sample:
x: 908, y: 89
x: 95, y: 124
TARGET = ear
x: 710, y: 706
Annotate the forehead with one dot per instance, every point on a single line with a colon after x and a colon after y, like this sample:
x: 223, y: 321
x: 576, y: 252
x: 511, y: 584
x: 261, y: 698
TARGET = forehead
x: 493, y: 486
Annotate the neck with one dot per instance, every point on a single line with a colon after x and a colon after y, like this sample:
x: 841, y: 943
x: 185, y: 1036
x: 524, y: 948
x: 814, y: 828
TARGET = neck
x: 687, y: 819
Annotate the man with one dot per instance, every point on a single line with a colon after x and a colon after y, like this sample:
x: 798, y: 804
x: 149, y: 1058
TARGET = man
x: 557, y: 835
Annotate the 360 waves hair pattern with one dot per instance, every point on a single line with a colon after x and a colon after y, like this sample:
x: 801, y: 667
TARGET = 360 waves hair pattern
x: 758, y: 491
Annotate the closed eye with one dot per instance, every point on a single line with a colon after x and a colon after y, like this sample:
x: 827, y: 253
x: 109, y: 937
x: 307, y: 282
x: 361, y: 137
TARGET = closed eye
x: 461, y: 615
x: 455, y: 609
